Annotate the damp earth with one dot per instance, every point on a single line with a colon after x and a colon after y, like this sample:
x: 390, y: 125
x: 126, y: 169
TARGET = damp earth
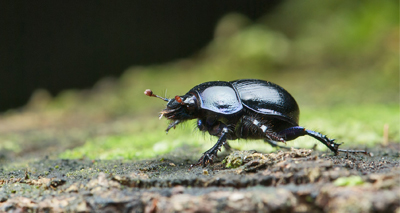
x: 296, y: 180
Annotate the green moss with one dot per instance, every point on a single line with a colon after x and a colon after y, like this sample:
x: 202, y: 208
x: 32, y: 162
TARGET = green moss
x: 349, y: 181
x: 140, y: 144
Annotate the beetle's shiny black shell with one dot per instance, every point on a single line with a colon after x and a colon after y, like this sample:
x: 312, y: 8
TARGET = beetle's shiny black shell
x: 267, y: 98
x: 261, y: 97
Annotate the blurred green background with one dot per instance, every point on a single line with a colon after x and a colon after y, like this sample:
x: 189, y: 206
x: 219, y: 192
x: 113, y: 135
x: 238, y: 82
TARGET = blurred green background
x: 339, y: 59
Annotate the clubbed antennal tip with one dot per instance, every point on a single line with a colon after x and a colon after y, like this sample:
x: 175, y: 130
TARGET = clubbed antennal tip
x: 150, y: 93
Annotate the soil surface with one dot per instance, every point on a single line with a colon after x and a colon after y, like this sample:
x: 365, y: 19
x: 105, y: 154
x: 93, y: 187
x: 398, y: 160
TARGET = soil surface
x: 298, y: 180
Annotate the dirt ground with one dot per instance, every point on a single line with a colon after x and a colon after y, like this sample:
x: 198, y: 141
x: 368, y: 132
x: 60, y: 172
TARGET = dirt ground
x: 284, y: 181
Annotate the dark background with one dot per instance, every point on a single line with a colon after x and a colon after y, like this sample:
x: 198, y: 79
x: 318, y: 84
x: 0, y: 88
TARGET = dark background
x: 63, y: 44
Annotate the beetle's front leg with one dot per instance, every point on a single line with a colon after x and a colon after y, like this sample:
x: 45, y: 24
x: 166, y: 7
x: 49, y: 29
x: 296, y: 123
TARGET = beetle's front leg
x: 211, y: 153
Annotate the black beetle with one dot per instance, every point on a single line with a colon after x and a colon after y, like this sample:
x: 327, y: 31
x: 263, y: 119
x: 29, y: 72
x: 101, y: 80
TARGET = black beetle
x: 247, y: 108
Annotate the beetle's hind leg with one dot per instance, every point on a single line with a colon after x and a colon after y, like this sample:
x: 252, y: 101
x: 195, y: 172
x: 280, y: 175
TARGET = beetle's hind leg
x: 297, y: 131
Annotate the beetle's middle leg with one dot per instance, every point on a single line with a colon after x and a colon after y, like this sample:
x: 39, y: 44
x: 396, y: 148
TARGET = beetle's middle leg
x: 253, y: 126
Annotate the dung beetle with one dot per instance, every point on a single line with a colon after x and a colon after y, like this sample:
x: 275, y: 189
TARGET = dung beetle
x: 246, y: 108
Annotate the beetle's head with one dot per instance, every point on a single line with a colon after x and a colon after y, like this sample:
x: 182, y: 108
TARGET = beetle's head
x: 179, y: 109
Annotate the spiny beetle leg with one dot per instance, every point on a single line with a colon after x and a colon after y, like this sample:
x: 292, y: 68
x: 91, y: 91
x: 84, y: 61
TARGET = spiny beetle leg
x: 204, y: 160
x: 297, y: 131
x: 330, y: 143
x: 211, y: 153
x: 294, y: 132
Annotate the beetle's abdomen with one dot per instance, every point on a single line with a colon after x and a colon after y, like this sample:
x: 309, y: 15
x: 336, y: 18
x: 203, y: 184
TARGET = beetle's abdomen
x: 267, y: 98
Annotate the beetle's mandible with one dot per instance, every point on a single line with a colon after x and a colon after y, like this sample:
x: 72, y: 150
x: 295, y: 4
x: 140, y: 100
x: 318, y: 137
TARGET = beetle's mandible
x: 246, y: 108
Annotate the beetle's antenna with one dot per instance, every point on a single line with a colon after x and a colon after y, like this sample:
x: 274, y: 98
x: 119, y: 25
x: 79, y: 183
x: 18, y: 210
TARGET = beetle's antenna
x: 150, y: 93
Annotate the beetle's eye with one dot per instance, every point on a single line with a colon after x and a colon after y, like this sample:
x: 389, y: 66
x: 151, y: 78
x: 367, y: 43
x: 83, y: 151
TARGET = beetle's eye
x: 178, y: 99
